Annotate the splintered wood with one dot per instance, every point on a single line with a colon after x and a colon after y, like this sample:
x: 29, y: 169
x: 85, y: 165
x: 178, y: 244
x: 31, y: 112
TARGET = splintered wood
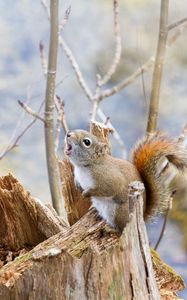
x: 18, y: 216
x: 24, y: 221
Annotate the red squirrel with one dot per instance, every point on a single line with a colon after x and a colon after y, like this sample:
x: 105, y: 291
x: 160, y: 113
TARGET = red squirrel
x: 104, y: 178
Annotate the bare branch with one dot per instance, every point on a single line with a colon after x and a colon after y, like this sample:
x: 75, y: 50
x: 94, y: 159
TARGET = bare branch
x: 143, y: 86
x: 61, y: 121
x: 65, y: 19
x: 76, y: 68
x: 95, y: 100
x: 112, y: 69
x: 87, y: 90
x: 158, y: 68
x: 178, y: 31
x: 52, y: 163
x: 13, y: 136
x: 109, y: 92
x: 14, y: 143
x: 164, y: 223
x: 30, y: 111
x: 127, y: 81
x: 176, y: 24
x: 59, y: 103
x: 43, y: 58
x: 117, y: 55
x: 46, y: 8
x: 144, y: 68
x: 116, y: 135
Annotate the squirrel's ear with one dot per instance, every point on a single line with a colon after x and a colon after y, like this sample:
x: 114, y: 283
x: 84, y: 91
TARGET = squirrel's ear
x: 103, y: 147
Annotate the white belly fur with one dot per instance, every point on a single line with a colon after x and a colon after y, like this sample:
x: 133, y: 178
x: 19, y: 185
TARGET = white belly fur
x: 106, y: 208
x: 84, y: 178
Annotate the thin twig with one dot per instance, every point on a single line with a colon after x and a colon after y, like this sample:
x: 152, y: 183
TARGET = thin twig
x: 176, y: 24
x: 61, y: 121
x: 163, y: 230
x: 165, y: 222
x: 52, y: 163
x: 88, y: 92
x: 13, y: 135
x: 95, y: 100
x: 59, y: 103
x: 158, y: 68
x: 112, y: 68
x: 116, y: 135
x: 14, y: 143
x: 46, y: 8
x: 117, y: 55
x: 30, y: 111
x: 65, y: 19
x: 76, y: 68
x: 117, y: 88
x: 177, y: 33
x: 143, y: 85
x: 144, y: 68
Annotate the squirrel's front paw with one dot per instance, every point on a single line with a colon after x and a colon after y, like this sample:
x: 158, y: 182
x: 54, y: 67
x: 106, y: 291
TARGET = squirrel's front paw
x: 87, y: 193
x: 78, y: 186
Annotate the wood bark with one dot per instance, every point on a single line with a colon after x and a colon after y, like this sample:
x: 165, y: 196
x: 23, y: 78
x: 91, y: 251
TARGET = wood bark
x: 86, y: 261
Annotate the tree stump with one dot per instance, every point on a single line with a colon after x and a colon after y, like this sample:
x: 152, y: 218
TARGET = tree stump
x: 86, y: 261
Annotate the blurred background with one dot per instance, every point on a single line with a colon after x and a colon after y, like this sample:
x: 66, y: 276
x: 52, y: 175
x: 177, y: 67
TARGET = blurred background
x: 90, y: 35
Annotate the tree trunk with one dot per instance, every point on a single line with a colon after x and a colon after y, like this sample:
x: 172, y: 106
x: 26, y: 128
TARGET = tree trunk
x: 86, y: 261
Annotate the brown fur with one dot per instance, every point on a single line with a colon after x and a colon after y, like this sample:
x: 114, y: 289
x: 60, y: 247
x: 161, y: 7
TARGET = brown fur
x: 153, y: 162
x: 146, y: 157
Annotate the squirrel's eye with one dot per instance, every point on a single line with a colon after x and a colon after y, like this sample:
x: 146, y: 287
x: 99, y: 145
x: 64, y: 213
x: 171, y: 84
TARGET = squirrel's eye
x: 87, y: 142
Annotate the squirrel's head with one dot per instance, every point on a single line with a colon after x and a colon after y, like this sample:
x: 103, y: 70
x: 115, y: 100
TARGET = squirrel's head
x: 83, y: 148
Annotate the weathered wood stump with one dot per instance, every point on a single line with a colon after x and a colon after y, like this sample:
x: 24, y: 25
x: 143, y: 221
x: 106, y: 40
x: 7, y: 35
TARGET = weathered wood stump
x: 86, y: 261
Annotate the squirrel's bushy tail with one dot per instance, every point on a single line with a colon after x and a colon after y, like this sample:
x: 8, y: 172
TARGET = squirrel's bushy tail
x: 157, y: 160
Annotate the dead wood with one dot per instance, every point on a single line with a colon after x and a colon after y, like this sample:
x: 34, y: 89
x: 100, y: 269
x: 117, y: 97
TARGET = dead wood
x: 24, y: 221
x: 86, y: 261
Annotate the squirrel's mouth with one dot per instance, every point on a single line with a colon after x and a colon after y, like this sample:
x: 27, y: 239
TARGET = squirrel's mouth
x: 68, y: 149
